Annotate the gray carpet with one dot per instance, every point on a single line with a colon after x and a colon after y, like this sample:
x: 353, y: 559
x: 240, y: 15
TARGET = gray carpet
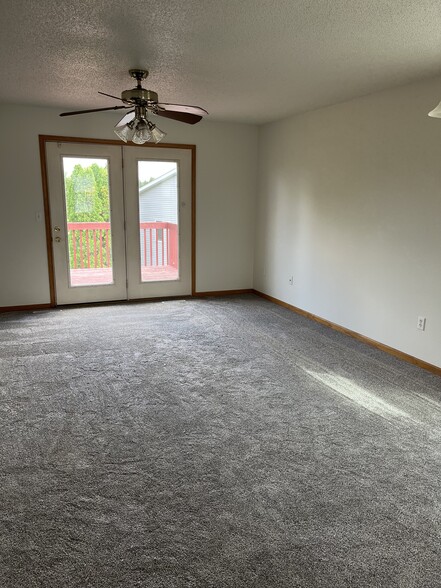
x: 212, y: 443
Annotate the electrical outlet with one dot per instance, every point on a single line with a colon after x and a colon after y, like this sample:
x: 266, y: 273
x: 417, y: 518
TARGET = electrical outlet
x: 421, y: 323
x: 291, y: 281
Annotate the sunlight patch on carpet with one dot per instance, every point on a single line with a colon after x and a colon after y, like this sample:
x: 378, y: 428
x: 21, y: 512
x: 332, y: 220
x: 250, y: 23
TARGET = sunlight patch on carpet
x: 359, y: 395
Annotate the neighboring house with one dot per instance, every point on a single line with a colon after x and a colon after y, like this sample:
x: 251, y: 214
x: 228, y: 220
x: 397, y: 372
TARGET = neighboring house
x: 158, y: 199
x: 158, y: 204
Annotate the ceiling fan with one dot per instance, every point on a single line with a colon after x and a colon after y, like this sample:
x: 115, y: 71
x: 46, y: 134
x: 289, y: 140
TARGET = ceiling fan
x: 135, y: 125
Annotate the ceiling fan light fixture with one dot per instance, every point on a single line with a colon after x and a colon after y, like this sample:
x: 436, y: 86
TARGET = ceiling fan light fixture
x: 142, y: 133
x: 125, y: 132
x: 155, y: 133
x: 436, y: 112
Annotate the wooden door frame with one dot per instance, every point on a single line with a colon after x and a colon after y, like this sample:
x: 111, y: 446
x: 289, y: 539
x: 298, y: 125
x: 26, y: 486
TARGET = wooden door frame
x: 43, y: 139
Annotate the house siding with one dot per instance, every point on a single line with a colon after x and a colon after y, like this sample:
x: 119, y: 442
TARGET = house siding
x: 157, y: 203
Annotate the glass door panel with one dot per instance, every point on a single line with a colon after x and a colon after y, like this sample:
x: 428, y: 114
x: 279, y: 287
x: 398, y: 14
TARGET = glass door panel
x: 158, y: 220
x: 158, y: 211
x: 120, y: 235
x: 88, y: 221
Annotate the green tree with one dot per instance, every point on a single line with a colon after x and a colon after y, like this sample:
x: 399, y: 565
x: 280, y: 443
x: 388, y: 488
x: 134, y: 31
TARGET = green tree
x: 145, y: 182
x: 87, y: 201
x: 87, y: 194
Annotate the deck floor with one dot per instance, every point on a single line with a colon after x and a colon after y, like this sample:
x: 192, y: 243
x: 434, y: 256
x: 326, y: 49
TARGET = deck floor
x: 102, y: 276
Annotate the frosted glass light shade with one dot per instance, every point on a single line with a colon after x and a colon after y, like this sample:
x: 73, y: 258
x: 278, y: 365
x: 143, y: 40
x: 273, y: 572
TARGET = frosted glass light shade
x: 436, y: 112
x: 142, y: 133
x: 125, y: 132
x: 157, y: 134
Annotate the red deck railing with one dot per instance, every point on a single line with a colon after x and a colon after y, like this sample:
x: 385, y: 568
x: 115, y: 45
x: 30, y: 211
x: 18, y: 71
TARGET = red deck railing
x: 90, y: 244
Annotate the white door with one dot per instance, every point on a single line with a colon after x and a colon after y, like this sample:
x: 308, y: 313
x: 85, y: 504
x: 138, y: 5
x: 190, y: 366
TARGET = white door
x: 119, y: 231
x: 87, y: 221
x: 158, y: 200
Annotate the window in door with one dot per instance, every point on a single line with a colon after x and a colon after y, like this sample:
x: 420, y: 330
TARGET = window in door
x: 88, y: 220
x: 158, y: 220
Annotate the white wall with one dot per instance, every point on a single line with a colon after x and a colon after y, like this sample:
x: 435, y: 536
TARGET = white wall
x: 225, y: 184
x: 350, y: 206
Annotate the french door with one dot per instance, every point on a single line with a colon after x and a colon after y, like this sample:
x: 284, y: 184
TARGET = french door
x: 121, y: 221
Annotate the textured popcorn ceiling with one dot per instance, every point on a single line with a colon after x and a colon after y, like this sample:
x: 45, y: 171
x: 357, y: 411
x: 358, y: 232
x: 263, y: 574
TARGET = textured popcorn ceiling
x: 243, y: 60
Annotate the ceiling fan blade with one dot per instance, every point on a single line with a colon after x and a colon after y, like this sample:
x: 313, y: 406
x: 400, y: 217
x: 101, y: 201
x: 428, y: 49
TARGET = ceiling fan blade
x: 93, y: 110
x: 110, y: 96
x: 183, y: 108
x: 185, y: 117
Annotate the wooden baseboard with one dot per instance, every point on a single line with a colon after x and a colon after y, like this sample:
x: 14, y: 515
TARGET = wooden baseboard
x: 223, y: 293
x: 25, y: 307
x: 395, y: 352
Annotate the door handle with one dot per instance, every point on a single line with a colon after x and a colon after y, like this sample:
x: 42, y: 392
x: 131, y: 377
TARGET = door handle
x: 57, y: 229
x: 57, y: 239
